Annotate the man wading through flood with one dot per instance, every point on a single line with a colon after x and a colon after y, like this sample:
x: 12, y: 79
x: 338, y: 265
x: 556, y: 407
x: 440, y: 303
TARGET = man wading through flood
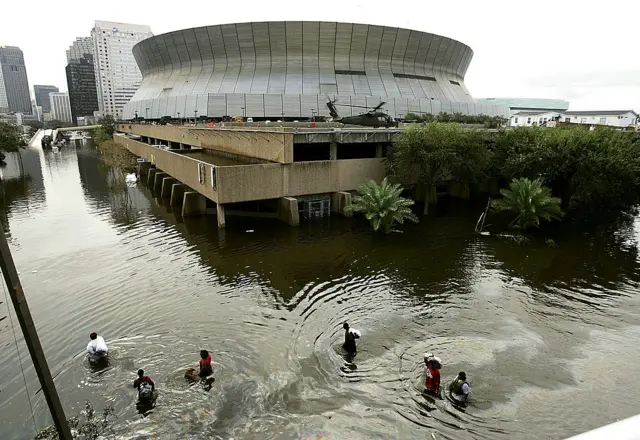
x: 350, y: 336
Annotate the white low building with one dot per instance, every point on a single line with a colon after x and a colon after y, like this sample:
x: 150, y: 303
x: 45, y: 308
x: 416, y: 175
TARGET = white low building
x: 613, y: 118
x: 533, y: 118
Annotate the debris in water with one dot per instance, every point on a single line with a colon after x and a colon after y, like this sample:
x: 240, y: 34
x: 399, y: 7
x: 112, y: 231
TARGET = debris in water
x: 249, y: 230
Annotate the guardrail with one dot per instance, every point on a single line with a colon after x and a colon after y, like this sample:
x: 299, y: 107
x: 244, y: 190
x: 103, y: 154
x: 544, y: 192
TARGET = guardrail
x: 627, y: 429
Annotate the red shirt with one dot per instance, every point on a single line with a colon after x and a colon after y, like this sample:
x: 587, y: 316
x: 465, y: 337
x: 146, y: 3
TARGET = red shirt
x: 432, y: 378
x: 205, y: 366
x: 138, y: 381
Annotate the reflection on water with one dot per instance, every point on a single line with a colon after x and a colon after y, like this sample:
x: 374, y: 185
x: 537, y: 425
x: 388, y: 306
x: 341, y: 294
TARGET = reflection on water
x: 547, y: 336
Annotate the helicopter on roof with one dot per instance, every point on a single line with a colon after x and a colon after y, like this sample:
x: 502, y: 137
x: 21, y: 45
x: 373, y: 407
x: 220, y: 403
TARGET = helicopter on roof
x: 373, y: 118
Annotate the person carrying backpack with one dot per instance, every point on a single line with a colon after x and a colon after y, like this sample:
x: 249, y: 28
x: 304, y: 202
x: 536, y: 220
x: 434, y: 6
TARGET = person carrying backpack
x: 145, y: 387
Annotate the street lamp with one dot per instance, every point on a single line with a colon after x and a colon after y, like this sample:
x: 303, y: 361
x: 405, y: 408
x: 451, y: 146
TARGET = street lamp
x: 195, y: 117
x: 179, y: 118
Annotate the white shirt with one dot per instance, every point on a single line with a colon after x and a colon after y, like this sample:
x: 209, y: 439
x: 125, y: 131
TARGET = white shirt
x: 97, y: 348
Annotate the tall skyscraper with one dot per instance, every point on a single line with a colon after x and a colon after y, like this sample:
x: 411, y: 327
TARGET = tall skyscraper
x: 81, y: 78
x: 4, y: 103
x: 60, y: 107
x: 14, y: 77
x: 80, y: 47
x: 117, y: 73
x: 42, y: 96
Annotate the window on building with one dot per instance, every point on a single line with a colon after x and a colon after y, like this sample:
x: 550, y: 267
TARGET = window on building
x: 583, y: 120
x: 603, y: 121
x: 515, y: 120
x: 528, y: 120
x: 567, y: 119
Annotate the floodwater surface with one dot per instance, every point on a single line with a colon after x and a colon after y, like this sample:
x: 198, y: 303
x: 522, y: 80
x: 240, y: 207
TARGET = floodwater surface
x: 547, y: 336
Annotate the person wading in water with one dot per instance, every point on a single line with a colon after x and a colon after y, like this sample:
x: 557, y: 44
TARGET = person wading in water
x: 350, y: 336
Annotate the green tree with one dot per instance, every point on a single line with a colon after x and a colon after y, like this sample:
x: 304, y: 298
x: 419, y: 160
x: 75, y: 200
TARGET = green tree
x: 382, y: 205
x: 54, y: 124
x: 530, y: 200
x: 34, y: 126
x: 589, y: 170
x: 10, y: 139
x: 437, y: 152
x: 105, y: 131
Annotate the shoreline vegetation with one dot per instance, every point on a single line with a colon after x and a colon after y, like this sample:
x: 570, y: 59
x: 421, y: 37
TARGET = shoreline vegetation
x: 566, y: 173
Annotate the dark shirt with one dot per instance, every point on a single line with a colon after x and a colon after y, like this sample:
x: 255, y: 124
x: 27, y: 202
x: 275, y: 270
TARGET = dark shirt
x: 349, y: 340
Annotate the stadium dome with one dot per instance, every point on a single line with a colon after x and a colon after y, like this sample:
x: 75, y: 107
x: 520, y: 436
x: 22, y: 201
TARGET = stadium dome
x: 272, y: 70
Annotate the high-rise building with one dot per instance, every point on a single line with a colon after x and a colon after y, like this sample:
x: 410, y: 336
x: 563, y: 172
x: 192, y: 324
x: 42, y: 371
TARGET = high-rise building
x: 80, y: 47
x: 117, y: 73
x: 4, y: 103
x: 81, y: 78
x: 14, y: 77
x: 81, y: 82
x: 42, y: 96
x: 60, y: 107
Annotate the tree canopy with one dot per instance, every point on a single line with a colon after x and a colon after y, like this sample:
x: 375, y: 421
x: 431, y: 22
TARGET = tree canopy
x: 590, y: 171
x: 10, y: 139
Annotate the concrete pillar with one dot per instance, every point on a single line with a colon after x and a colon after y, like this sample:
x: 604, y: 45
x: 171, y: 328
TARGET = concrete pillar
x: 220, y: 215
x: 288, y: 211
x: 143, y: 168
x: 167, y: 185
x: 151, y: 176
x: 157, y: 182
x: 333, y: 151
x: 459, y: 190
x: 193, y: 203
x: 177, y: 194
x: 378, y: 150
x: 339, y: 201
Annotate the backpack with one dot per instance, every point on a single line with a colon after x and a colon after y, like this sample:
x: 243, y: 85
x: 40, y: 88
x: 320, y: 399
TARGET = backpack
x: 456, y: 386
x: 145, y: 391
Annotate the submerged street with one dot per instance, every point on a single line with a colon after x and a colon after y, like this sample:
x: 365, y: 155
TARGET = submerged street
x: 548, y: 337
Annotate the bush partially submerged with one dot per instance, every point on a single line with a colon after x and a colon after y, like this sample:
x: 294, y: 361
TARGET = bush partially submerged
x: 86, y: 427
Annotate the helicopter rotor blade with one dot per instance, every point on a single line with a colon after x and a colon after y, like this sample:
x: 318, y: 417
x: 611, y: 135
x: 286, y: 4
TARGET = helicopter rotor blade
x: 377, y: 107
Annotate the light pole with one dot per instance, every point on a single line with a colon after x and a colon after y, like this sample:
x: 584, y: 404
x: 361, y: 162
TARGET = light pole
x: 146, y: 114
x: 30, y: 334
x: 244, y: 113
x: 195, y: 117
x: 179, y: 118
x: 313, y: 113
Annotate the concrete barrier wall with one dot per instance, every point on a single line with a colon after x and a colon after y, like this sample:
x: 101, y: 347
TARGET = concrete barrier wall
x: 274, y: 145
x: 332, y: 175
x: 261, y: 181
x: 178, y: 166
x: 250, y: 182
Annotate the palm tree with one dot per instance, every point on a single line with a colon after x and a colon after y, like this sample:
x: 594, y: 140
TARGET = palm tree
x: 530, y: 200
x: 382, y: 205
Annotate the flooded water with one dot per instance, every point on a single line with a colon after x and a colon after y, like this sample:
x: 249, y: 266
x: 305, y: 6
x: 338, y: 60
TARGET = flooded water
x: 548, y: 337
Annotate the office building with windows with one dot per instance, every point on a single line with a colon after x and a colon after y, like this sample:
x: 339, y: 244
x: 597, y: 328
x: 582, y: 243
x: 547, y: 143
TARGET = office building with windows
x: 79, y: 48
x: 81, y: 83
x: 42, y: 96
x: 274, y: 70
x: 117, y: 74
x: 60, y: 107
x: 14, y: 93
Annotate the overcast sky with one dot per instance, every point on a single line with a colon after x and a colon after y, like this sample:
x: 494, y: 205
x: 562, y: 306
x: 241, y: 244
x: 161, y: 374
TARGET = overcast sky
x: 584, y: 51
